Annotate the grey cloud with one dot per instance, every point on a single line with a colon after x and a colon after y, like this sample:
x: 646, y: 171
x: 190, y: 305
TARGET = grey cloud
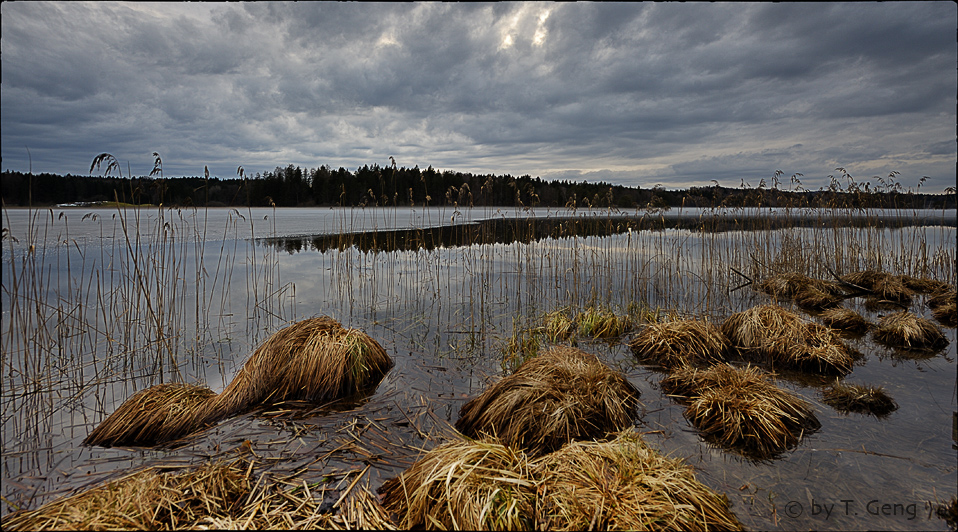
x: 689, y: 89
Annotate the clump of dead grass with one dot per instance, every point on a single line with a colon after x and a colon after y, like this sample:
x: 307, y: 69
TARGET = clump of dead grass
x: 924, y: 285
x: 876, y: 304
x: 464, y: 485
x: 859, y: 398
x: 810, y: 297
x: 216, y: 495
x: 846, y: 320
x: 559, y: 326
x: 621, y: 484
x: 789, y: 285
x: 560, y: 395
x: 943, y: 307
x: 144, y: 500
x: 624, y: 484
x: 822, y: 351
x: 883, y: 285
x: 598, y: 322
x: 742, y: 409
x: 677, y: 343
x: 313, y: 360
x: 160, y: 413
x: 948, y: 512
x: 909, y: 331
x: 776, y: 336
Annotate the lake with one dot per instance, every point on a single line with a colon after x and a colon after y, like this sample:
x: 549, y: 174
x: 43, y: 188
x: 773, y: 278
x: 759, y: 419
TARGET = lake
x: 99, y: 303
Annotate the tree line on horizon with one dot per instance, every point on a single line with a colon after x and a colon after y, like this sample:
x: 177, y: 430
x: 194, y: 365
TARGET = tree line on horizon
x: 294, y: 186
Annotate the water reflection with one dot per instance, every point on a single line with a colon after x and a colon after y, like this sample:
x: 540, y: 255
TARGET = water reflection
x: 527, y: 230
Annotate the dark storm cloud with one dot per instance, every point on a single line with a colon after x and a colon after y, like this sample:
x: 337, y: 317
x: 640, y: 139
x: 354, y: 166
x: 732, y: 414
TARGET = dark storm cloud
x: 676, y: 94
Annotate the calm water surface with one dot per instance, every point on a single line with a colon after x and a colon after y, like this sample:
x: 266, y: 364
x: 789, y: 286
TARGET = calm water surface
x: 232, y: 277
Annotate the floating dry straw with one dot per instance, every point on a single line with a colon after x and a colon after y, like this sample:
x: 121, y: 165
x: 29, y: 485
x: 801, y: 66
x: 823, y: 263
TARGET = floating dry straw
x: 313, y: 360
x: 220, y: 495
x: 859, y: 398
x: 741, y: 409
x: 908, y: 331
x: 778, y: 337
x: 561, y: 395
x: 676, y: 343
x: 624, y: 484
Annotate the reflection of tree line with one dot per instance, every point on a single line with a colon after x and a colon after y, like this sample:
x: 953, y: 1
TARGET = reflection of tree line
x: 391, y: 186
x: 525, y: 230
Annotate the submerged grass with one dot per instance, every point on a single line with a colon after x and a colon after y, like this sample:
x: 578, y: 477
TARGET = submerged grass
x: 811, y: 298
x: 806, y: 291
x: 559, y: 326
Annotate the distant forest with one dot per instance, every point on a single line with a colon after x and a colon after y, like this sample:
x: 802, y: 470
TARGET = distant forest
x: 390, y: 186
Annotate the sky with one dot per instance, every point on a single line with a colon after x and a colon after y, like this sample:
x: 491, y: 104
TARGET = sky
x: 643, y: 94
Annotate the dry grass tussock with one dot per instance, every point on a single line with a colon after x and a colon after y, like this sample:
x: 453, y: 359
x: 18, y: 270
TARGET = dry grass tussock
x: 560, y: 395
x: 676, y: 343
x: 924, y: 285
x: 160, y: 413
x: 741, y: 409
x: 808, y: 293
x: 787, y: 285
x: 464, y: 485
x: 222, y: 495
x: 313, y: 360
x: 776, y: 336
x: 615, y: 485
x: 624, y: 484
x: 811, y: 298
x: 909, y: 331
x: 846, y: 320
x: 943, y: 307
x: 859, y: 398
x: 883, y: 285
